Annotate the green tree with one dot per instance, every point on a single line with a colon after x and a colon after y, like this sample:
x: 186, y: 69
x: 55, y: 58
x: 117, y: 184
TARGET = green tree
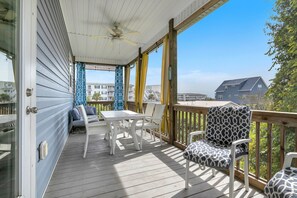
x: 96, y: 96
x: 283, y: 48
x: 4, y: 98
x: 151, y: 96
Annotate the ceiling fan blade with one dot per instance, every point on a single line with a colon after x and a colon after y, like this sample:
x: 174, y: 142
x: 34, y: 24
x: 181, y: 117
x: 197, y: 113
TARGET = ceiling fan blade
x: 100, y: 36
x: 128, y: 41
x: 79, y: 34
x: 131, y: 32
x: 109, y: 30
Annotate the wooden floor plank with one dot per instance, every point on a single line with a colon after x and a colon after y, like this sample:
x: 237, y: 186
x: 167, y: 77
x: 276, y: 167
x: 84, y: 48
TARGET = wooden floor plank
x: 156, y: 171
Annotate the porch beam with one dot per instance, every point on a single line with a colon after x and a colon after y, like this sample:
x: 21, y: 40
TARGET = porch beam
x: 195, y: 16
x: 172, y: 77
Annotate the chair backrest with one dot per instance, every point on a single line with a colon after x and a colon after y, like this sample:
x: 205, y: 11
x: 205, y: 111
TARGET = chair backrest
x: 227, y: 124
x: 84, y: 115
x: 158, y: 113
x: 149, y: 110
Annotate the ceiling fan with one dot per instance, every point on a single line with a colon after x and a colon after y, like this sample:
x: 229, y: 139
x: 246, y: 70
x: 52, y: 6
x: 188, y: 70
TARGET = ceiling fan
x: 114, y: 33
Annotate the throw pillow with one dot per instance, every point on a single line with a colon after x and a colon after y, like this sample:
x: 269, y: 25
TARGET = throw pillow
x: 76, y: 114
x: 89, y: 110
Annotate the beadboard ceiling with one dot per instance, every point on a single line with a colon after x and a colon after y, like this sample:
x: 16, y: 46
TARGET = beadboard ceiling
x: 86, y: 18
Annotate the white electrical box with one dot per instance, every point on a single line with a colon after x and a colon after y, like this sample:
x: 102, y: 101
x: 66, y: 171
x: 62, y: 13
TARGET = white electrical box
x: 43, y: 150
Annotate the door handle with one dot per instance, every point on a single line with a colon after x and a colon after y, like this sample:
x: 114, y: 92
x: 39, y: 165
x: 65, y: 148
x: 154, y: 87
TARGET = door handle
x: 31, y: 110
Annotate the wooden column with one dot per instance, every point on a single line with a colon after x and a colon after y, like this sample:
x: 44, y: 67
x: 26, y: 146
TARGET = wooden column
x: 173, y: 75
x: 139, y: 62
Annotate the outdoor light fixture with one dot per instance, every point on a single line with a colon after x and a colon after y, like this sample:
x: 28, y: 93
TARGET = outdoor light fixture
x: 169, y: 73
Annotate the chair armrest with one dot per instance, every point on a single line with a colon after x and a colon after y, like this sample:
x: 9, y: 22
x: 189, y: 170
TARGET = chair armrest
x: 236, y: 143
x: 288, y: 159
x: 195, y: 133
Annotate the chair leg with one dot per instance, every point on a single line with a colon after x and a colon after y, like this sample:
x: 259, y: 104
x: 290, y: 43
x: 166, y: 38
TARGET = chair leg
x: 213, y: 172
x: 141, y: 135
x: 231, y: 182
x: 187, y: 174
x: 86, y: 146
x: 160, y: 136
x: 246, y: 172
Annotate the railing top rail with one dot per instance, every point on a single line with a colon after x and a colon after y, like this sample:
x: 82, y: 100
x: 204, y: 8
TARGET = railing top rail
x: 99, y: 102
x: 288, y: 119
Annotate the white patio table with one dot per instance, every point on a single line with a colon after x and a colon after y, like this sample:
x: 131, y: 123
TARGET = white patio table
x: 115, y: 117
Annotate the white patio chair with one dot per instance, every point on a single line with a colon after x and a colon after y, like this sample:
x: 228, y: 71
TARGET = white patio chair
x: 154, y: 123
x: 284, y: 182
x: 95, y: 128
x: 149, y: 110
x: 226, y: 141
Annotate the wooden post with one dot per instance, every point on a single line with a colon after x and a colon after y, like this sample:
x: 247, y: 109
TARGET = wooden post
x: 139, y: 62
x: 173, y: 77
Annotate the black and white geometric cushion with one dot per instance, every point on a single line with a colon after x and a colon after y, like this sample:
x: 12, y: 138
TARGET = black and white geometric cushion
x: 227, y: 124
x: 283, y: 184
x: 211, y: 154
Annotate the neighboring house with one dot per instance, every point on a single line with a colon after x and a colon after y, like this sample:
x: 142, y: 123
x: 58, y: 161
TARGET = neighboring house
x: 106, y: 91
x: 242, y: 91
x: 190, y: 96
x: 205, y: 103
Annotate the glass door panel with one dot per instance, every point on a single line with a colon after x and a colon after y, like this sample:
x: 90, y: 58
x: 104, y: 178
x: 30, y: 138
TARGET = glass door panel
x: 9, y: 133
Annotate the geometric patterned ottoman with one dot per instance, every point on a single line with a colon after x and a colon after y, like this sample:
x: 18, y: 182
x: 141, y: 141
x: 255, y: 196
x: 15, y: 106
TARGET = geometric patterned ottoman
x: 283, y: 184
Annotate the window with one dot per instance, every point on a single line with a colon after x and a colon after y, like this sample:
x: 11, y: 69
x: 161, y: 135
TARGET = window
x: 220, y: 97
x: 259, y: 86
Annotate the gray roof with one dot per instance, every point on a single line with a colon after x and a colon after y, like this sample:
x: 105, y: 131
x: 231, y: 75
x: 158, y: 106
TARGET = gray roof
x: 246, y: 83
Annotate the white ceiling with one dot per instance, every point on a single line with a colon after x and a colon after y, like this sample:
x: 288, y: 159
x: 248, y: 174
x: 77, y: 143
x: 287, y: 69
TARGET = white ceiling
x: 149, y: 17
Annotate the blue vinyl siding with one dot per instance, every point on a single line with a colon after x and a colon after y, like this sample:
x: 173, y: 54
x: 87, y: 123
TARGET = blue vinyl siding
x: 54, y: 99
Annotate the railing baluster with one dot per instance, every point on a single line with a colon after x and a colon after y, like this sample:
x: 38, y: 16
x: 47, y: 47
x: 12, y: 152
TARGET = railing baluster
x: 199, y: 121
x: 257, y: 149
x: 186, y: 129
x: 195, y: 126
x: 282, y: 144
x: 182, y: 131
x: 204, y: 122
x: 269, y: 150
x: 295, y: 145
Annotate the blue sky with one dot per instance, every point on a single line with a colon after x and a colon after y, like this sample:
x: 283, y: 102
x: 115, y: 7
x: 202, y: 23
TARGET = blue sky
x: 227, y: 44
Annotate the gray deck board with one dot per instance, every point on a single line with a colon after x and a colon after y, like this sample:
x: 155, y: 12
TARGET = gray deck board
x: 156, y: 171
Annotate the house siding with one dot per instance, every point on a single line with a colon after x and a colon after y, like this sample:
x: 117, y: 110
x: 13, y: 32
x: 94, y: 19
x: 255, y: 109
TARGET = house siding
x: 54, y: 98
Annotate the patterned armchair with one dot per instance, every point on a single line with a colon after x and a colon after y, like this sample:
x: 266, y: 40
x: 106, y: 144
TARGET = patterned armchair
x: 226, y: 141
x: 284, y: 183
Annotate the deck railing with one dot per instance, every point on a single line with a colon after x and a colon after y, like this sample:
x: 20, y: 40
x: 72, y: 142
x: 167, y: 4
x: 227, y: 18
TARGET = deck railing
x: 101, y: 105
x: 7, y: 108
x: 273, y: 134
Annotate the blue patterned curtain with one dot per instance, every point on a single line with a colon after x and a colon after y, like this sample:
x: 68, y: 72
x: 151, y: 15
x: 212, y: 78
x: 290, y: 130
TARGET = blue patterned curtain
x: 118, y: 89
x: 80, y: 94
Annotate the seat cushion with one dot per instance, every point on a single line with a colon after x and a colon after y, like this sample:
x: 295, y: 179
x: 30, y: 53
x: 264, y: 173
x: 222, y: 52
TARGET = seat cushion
x: 283, y: 184
x: 211, y: 154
